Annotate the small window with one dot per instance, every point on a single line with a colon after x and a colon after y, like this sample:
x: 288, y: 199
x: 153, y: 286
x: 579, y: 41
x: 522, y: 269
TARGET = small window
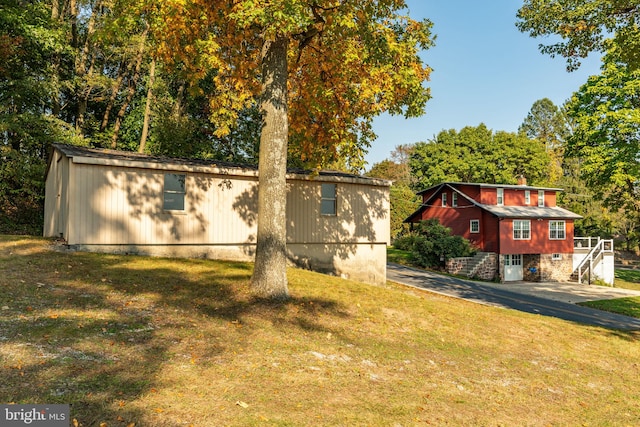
x: 556, y: 257
x: 474, y: 226
x: 527, y: 197
x: 541, y: 198
x: 328, y: 205
x: 500, y: 198
x: 521, y: 229
x: 174, y: 191
x: 454, y: 200
x: 444, y: 199
x: 557, y: 230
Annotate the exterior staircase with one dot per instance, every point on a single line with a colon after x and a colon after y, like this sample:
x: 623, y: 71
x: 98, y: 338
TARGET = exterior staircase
x: 584, y: 272
x: 471, y: 266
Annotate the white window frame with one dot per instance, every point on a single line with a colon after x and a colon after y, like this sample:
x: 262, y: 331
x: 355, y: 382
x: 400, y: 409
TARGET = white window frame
x: 521, y: 229
x: 541, y: 198
x: 556, y: 257
x: 500, y: 196
x: 454, y: 199
x: 174, y: 192
x: 527, y: 197
x: 444, y: 199
x: 557, y: 233
x: 328, y: 199
x: 476, y: 223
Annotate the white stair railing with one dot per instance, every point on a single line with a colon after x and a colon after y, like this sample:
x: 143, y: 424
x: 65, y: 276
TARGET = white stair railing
x: 593, y: 257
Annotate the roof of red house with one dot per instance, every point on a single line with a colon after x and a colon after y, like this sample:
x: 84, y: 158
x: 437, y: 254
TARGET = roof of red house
x: 482, y: 185
x: 546, y: 212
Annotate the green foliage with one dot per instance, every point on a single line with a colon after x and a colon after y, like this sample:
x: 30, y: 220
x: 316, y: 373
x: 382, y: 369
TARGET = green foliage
x: 431, y: 244
x: 21, y: 193
x: 546, y: 123
x: 584, y: 27
x: 607, y: 125
x: 477, y: 154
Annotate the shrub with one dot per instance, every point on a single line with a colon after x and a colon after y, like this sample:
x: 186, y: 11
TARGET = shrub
x: 431, y: 244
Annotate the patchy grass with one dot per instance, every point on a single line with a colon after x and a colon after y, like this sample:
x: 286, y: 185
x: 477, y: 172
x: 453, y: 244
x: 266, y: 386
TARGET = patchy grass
x: 398, y: 256
x: 625, y: 306
x: 161, y: 342
x: 627, y: 279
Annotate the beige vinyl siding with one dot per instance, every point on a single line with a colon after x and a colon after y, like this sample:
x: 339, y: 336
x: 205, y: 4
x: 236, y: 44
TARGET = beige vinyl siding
x: 361, y: 214
x: 116, y: 205
x: 56, y: 200
x: 124, y: 206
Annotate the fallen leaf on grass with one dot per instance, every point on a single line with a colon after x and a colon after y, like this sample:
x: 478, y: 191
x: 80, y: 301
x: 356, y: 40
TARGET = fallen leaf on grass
x: 242, y: 404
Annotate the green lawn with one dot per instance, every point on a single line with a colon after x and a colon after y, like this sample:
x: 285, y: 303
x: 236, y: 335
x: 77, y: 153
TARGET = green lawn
x: 626, y: 279
x: 135, y: 341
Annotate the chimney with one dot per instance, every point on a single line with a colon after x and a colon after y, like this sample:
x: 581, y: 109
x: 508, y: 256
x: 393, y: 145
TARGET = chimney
x: 522, y: 180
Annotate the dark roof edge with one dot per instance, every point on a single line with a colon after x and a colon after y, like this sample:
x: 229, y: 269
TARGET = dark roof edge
x: 130, y: 156
x: 483, y: 185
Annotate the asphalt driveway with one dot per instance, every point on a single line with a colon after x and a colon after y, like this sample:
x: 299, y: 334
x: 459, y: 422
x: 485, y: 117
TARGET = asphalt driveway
x: 547, y: 299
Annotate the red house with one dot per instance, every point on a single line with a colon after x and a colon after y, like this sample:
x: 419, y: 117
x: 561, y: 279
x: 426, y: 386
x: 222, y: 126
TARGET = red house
x: 520, y: 232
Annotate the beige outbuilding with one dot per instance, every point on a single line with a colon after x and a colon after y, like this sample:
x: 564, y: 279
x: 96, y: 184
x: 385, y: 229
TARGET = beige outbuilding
x: 128, y: 203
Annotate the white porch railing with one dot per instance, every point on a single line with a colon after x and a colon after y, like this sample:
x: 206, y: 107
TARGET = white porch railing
x: 597, y: 247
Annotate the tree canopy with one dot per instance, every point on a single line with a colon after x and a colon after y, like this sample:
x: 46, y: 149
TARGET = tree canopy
x: 348, y: 62
x: 477, y: 154
x: 606, y: 112
x: 584, y: 27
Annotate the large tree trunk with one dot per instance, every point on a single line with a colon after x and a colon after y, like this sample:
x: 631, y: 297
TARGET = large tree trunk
x: 270, y: 272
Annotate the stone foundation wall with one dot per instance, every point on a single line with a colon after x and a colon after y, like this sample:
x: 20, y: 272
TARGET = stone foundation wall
x: 456, y: 265
x: 543, y: 268
x: 488, y: 270
x: 531, y: 268
x: 556, y: 270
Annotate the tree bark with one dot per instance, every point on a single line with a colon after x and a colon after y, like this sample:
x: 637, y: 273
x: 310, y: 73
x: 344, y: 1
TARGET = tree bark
x: 115, y: 90
x: 83, y: 70
x: 270, y: 271
x: 133, y: 81
x: 147, y: 107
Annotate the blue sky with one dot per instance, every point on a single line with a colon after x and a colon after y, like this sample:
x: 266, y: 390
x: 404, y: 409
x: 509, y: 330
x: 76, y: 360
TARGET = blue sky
x: 485, y: 71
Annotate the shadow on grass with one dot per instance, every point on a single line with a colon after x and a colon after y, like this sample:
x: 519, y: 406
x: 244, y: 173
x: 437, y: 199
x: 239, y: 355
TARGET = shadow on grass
x: 95, y: 331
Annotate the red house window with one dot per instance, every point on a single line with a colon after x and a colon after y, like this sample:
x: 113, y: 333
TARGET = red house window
x: 521, y: 229
x: 557, y: 230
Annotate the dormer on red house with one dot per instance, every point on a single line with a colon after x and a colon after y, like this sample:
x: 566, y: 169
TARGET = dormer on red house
x: 520, y: 227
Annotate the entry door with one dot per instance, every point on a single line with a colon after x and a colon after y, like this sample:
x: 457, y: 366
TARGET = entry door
x: 512, y: 268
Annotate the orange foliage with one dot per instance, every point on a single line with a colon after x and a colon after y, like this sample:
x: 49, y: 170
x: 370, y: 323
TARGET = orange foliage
x: 348, y: 62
